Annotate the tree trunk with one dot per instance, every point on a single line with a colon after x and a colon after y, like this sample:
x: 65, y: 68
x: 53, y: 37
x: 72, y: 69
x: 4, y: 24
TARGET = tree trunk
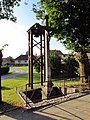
x: 83, y: 64
x: 82, y: 73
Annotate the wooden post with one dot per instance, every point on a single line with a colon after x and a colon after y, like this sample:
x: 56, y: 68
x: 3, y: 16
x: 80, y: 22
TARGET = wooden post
x: 41, y: 62
x: 44, y: 60
x: 47, y: 55
x: 31, y: 59
x: 48, y: 80
x: 47, y: 74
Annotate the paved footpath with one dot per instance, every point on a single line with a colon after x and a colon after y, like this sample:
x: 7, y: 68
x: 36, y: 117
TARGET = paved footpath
x: 76, y: 109
x: 16, y: 73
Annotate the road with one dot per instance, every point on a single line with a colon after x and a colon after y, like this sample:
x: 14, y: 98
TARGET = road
x: 17, y: 72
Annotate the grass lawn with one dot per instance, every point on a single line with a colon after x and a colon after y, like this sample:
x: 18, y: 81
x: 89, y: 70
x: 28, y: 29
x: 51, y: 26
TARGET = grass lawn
x: 22, y: 67
x: 11, y: 71
x: 9, y: 94
x: 66, y: 82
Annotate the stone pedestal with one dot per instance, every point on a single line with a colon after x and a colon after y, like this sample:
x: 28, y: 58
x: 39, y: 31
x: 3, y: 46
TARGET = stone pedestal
x: 35, y: 95
x: 52, y: 92
x: 64, y: 90
x: 47, y: 87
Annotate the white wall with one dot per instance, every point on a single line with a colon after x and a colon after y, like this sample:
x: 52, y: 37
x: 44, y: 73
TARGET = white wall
x: 20, y: 62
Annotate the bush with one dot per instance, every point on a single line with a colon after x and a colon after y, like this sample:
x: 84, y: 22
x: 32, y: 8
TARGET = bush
x: 4, y: 70
x: 37, y: 67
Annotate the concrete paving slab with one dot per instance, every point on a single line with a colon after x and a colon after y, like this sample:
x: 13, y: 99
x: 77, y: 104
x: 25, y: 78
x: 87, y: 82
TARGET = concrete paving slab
x: 76, y: 109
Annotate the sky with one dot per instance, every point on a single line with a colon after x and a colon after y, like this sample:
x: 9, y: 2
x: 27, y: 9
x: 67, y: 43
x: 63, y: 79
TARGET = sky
x: 15, y: 34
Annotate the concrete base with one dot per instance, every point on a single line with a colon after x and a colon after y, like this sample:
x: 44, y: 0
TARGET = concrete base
x: 64, y: 90
x: 35, y: 95
x: 47, y: 87
x: 55, y: 92
x: 52, y: 92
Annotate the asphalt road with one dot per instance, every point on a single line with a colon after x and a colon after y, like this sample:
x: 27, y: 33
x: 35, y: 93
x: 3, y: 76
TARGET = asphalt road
x: 17, y: 72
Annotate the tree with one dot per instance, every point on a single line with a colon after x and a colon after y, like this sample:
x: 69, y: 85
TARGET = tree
x: 55, y: 62
x: 6, y: 9
x: 70, y: 23
x: 10, y: 60
x: 37, y: 62
x: 71, y: 66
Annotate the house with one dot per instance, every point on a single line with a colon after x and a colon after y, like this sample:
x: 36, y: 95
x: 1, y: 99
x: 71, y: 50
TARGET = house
x: 4, y: 61
x: 8, y: 61
x: 60, y: 54
x: 21, y: 60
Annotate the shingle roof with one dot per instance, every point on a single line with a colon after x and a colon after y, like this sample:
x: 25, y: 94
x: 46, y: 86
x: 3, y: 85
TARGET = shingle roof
x: 22, y: 57
x: 58, y: 52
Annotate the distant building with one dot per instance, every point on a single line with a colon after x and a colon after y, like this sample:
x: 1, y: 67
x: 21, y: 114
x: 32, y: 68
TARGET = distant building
x: 21, y: 60
x: 60, y: 54
x: 4, y: 61
x: 8, y: 61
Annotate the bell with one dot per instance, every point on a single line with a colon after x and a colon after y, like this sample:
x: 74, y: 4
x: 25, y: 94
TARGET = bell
x: 36, y: 35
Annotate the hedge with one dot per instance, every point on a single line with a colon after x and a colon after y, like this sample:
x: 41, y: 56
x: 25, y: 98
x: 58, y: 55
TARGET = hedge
x: 4, y: 70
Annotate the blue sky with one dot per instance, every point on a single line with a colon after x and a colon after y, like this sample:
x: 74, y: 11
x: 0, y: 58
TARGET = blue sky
x: 15, y: 34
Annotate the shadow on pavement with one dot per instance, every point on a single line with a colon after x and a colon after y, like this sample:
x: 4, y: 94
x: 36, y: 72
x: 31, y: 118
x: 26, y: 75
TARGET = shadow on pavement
x: 21, y: 114
x: 61, y: 110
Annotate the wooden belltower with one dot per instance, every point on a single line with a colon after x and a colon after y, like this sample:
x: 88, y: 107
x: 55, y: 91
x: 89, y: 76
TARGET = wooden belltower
x: 41, y: 33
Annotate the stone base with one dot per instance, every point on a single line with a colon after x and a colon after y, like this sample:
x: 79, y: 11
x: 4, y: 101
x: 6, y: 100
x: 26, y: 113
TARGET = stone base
x: 55, y: 92
x: 35, y: 95
x: 64, y: 90
x: 52, y: 92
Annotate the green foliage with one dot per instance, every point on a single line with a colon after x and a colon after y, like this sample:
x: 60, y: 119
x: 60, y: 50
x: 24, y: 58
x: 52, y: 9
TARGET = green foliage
x: 37, y: 63
x: 4, y: 69
x: 37, y: 67
x: 68, y: 68
x: 6, y: 9
x: 2, y: 48
x: 71, y: 66
x: 39, y: 8
x: 70, y: 21
x: 55, y: 61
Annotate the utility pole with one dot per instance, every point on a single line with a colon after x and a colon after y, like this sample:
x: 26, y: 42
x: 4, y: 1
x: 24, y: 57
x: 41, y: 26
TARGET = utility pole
x: 0, y: 75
